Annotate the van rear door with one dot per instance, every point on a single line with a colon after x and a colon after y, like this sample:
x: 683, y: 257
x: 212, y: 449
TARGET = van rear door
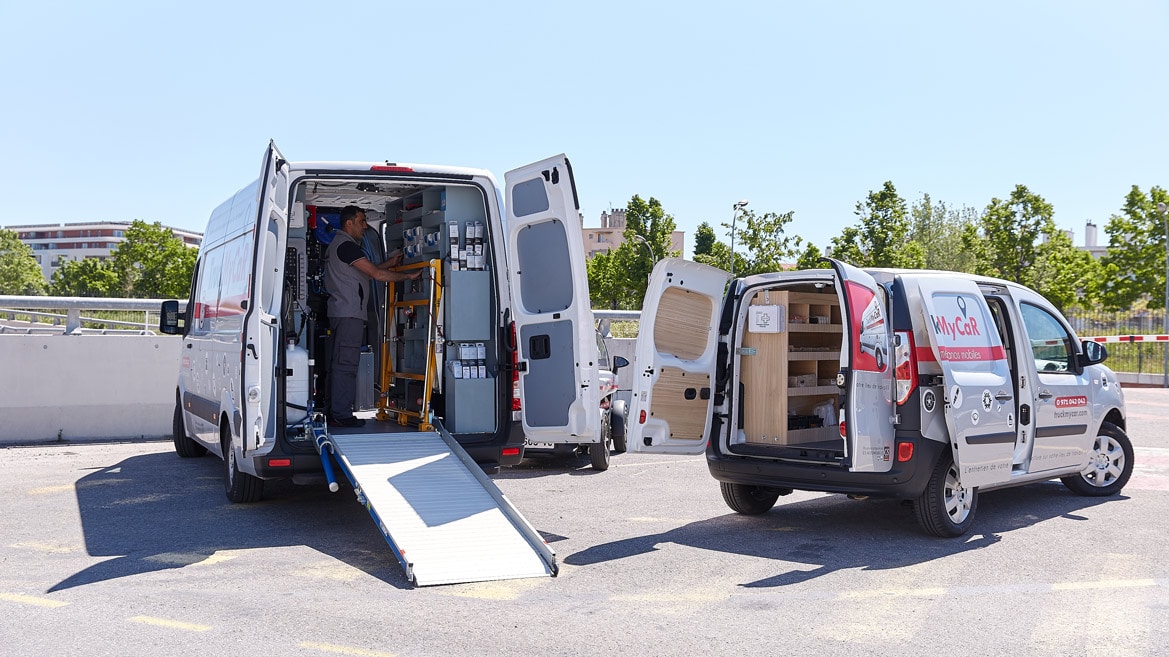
x: 261, y: 339
x: 868, y: 375
x: 980, y: 400
x: 677, y: 346
x: 559, y: 390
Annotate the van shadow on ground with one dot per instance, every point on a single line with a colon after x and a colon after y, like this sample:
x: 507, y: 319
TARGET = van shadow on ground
x: 158, y: 511
x: 834, y: 533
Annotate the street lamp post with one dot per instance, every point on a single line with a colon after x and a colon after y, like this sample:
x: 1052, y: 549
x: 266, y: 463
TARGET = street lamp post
x: 1165, y: 322
x: 653, y: 260
x: 734, y: 216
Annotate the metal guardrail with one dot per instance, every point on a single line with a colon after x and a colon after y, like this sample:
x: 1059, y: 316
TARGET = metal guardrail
x: 76, y: 315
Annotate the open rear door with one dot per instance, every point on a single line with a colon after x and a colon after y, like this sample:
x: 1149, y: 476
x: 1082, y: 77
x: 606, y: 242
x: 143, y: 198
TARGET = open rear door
x: 677, y: 340
x: 979, y: 393
x: 868, y: 417
x: 559, y: 390
x: 262, y: 254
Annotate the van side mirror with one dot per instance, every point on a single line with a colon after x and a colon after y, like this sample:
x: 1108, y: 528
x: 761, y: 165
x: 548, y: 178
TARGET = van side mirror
x: 1093, y: 352
x: 169, y: 319
x: 619, y: 362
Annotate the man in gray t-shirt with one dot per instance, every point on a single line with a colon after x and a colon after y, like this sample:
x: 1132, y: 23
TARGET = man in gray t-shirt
x: 348, y: 273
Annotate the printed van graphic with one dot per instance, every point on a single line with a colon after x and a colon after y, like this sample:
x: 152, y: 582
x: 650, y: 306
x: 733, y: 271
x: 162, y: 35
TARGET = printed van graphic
x: 869, y: 330
x: 1071, y: 402
x: 962, y: 332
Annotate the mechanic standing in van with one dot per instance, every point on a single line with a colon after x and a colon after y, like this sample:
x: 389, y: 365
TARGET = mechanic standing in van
x: 348, y: 273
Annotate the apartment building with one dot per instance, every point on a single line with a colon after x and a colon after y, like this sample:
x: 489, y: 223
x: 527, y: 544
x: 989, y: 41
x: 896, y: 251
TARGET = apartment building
x: 611, y: 235
x: 54, y: 244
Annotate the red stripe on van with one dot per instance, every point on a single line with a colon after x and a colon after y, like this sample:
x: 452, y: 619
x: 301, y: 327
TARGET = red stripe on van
x: 961, y: 354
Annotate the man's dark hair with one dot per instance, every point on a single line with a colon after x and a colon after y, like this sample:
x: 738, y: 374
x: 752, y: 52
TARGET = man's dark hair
x: 349, y: 213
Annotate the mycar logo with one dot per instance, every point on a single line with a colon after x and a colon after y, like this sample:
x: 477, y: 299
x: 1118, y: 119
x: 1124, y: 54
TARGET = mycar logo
x: 959, y: 326
x: 1071, y: 402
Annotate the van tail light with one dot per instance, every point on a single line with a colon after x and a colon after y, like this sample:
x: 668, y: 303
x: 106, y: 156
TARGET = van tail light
x: 391, y: 167
x: 905, y: 365
x: 904, y: 451
x: 516, y: 404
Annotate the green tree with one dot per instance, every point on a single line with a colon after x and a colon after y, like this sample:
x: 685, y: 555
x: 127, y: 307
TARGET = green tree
x: 1134, y: 266
x: 88, y: 277
x: 881, y: 238
x: 763, y: 244
x: 704, y: 240
x: 938, y: 229
x: 1065, y: 275
x: 19, y: 272
x: 811, y: 259
x: 153, y: 263
x: 604, y: 291
x: 1012, y: 230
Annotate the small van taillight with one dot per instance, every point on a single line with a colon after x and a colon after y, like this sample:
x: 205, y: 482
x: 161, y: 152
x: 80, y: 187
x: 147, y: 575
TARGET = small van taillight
x: 391, y: 167
x: 905, y: 365
x: 516, y: 403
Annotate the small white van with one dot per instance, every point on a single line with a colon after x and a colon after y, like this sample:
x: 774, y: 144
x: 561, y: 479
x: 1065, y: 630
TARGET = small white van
x: 494, y: 341
x: 922, y: 385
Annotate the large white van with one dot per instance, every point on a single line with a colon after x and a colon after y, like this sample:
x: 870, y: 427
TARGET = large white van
x: 493, y: 342
x: 922, y: 385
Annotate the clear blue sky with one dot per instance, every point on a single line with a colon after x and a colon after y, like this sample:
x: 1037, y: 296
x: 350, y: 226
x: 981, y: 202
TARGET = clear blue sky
x: 160, y: 110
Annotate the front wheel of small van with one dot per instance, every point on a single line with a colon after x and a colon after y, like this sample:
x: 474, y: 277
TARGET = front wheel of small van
x: 1109, y: 466
x: 239, y: 486
x: 946, y: 508
x: 749, y: 500
x: 184, y: 446
x: 599, y: 454
x: 617, y: 427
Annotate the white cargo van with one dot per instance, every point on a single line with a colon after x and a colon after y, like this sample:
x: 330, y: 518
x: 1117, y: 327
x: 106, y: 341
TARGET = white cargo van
x: 923, y: 385
x: 495, y: 340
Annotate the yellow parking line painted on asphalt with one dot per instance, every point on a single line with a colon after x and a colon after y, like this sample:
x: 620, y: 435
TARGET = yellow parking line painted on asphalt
x: 892, y: 593
x: 172, y: 624
x: 48, y: 490
x: 32, y: 600
x: 1104, y: 584
x: 46, y: 547
x: 344, y: 650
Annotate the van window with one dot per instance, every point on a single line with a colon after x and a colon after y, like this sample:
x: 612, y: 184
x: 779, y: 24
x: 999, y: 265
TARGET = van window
x: 1050, y: 341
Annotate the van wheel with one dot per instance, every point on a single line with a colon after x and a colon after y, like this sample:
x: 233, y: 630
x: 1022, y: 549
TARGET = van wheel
x: 946, y: 508
x: 1109, y: 465
x: 239, y: 486
x: 617, y: 427
x: 184, y: 446
x: 749, y: 500
x: 599, y: 454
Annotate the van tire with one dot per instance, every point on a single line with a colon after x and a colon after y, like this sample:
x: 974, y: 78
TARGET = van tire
x: 749, y: 500
x: 240, y: 487
x: 1109, y: 464
x: 945, y: 508
x: 184, y: 446
x: 617, y: 427
x: 599, y: 455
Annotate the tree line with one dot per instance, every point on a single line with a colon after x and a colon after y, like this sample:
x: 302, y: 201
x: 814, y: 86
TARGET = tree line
x: 1014, y: 238
x: 151, y: 263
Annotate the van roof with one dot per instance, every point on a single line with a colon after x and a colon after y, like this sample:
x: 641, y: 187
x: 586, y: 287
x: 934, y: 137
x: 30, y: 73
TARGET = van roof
x: 366, y: 167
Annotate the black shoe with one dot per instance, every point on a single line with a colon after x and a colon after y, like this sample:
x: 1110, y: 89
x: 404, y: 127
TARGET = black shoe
x: 348, y: 422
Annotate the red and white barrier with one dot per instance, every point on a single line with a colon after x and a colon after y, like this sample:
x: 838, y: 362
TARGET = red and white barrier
x: 1129, y: 338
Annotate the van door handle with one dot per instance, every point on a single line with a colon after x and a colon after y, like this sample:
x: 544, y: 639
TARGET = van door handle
x: 1045, y: 394
x: 1003, y: 396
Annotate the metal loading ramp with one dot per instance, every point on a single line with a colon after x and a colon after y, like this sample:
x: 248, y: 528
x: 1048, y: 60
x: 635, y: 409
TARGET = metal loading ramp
x: 446, y: 521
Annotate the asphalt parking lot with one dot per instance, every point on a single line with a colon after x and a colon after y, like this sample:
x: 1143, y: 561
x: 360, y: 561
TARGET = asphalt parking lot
x: 125, y: 549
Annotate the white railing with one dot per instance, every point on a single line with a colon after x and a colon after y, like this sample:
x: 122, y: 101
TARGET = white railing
x: 76, y: 315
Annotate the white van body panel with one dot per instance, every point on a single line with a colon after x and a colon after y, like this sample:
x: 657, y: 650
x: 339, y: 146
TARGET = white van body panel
x: 558, y: 381
x: 676, y: 357
x: 979, y: 393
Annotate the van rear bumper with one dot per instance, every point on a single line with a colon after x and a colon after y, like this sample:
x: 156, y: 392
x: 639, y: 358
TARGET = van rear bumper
x: 904, y: 481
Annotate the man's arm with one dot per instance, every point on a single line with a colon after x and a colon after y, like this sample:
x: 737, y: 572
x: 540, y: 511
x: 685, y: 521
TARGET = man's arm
x: 366, y: 267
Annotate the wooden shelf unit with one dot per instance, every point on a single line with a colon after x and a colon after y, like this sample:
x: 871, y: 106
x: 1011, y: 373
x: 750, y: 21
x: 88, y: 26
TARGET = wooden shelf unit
x: 792, y: 371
